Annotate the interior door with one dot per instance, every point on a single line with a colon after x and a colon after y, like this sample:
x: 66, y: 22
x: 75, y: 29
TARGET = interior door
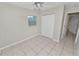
x: 47, y: 25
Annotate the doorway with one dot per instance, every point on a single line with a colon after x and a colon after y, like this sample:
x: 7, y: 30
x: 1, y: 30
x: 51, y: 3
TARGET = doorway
x: 71, y: 30
x: 72, y: 25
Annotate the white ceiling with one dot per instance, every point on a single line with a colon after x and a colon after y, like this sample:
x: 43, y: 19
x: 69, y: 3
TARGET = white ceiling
x: 46, y: 5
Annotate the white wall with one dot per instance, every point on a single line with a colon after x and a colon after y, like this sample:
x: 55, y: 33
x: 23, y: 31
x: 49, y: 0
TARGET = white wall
x: 14, y: 24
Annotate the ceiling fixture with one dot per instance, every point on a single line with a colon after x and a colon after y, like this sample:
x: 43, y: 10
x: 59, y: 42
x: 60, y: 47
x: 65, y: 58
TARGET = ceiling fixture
x: 38, y: 5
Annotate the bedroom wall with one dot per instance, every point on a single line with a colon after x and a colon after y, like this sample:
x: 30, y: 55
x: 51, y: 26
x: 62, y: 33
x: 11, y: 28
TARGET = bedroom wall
x: 14, y: 24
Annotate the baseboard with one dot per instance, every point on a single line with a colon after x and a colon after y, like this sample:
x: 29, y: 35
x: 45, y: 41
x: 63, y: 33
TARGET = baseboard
x: 51, y: 38
x: 30, y: 37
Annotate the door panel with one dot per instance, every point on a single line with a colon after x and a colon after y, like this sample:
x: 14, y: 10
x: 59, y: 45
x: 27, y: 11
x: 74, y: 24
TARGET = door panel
x: 47, y: 25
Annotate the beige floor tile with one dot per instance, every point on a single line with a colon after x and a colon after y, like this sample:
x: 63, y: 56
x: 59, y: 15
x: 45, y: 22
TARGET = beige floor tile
x: 42, y: 46
x: 12, y: 52
x: 68, y: 49
x: 42, y: 53
x: 30, y: 53
x: 26, y: 49
x: 69, y: 43
x: 0, y: 53
x: 58, y: 50
x: 69, y: 46
x: 66, y: 53
x: 32, y: 45
x: 54, y: 53
x: 77, y: 51
x: 47, y: 49
x: 51, y: 45
x: 36, y: 49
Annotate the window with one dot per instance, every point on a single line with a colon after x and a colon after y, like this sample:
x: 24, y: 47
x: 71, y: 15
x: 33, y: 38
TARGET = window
x: 32, y: 20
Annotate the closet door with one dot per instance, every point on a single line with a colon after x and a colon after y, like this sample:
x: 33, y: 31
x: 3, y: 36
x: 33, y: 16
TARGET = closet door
x: 47, y: 25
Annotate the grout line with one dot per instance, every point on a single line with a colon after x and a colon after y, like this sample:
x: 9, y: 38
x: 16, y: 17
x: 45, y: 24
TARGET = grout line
x: 40, y: 50
x: 43, y: 48
x: 51, y: 50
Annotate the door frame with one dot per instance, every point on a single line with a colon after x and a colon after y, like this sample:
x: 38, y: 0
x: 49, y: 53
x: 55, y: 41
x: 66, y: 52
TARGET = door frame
x: 66, y: 20
x: 77, y: 36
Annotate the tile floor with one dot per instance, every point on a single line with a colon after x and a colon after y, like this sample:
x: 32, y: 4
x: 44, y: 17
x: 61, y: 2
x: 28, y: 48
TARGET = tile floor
x: 41, y: 46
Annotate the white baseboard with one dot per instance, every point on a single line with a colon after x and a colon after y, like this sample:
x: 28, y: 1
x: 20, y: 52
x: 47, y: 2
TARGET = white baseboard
x: 7, y: 46
x: 51, y: 38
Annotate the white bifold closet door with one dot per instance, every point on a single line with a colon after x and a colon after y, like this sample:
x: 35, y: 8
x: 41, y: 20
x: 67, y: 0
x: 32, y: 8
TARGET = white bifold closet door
x: 47, y: 25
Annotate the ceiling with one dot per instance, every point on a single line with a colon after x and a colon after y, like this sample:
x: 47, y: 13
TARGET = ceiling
x: 46, y: 5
